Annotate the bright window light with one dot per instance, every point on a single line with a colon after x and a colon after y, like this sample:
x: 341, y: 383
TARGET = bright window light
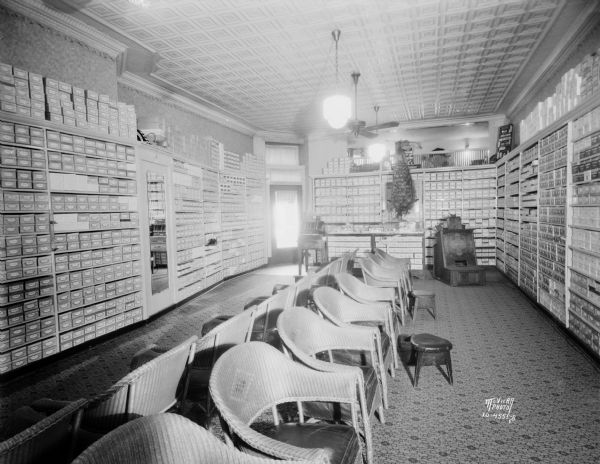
x: 286, y: 219
x: 377, y: 152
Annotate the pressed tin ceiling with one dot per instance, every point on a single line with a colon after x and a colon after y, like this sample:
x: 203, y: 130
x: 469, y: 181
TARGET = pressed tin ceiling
x: 271, y: 62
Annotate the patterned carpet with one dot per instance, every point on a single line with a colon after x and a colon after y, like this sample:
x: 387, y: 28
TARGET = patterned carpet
x: 504, y: 348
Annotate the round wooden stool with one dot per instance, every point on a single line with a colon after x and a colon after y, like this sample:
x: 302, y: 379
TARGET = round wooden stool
x: 431, y: 350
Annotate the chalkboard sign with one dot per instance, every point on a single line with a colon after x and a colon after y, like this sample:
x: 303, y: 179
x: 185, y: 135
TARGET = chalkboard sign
x: 505, y: 138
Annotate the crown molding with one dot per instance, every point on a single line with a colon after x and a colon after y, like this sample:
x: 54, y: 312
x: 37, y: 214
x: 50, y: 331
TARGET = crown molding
x: 586, y: 21
x: 65, y: 24
x: 140, y: 84
x: 280, y: 137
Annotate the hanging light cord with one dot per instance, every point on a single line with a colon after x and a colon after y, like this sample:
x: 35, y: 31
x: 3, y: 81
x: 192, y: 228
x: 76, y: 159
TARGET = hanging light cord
x: 336, y: 37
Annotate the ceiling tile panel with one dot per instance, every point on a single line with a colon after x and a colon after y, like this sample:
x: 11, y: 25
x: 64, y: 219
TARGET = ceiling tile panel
x: 271, y: 62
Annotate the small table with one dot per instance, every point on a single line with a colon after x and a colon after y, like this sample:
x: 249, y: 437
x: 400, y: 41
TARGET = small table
x: 308, y: 242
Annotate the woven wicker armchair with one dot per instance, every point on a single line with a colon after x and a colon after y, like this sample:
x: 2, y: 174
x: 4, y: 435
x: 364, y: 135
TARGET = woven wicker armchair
x: 376, y: 276
x: 322, y: 346
x: 165, y: 439
x: 254, y: 324
x: 156, y: 386
x: 252, y: 379
x: 343, y: 311
x: 210, y: 347
x: 412, y: 298
x: 363, y: 293
x: 51, y: 440
x: 382, y: 257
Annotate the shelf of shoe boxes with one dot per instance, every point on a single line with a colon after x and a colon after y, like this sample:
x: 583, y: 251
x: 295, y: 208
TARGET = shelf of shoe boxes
x: 583, y: 266
x: 511, y: 217
x: 351, y: 199
x: 253, y: 167
x: 500, y: 209
x: 468, y: 193
x: 212, y: 226
x: 232, y: 190
x: 69, y: 250
x: 551, y: 222
x: 528, y: 202
x: 189, y: 228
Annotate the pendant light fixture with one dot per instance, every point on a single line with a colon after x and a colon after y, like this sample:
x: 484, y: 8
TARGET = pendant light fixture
x: 376, y: 151
x: 337, y: 108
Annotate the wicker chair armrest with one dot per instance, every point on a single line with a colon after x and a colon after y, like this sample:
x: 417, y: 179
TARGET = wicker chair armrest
x: 28, y: 443
x: 339, y: 338
x: 376, y: 311
x: 380, y: 271
x: 49, y: 405
x: 146, y: 354
x: 324, y: 366
x: 378, y: 293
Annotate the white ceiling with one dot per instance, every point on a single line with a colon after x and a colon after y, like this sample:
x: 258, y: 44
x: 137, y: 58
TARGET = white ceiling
x: 270, y: 62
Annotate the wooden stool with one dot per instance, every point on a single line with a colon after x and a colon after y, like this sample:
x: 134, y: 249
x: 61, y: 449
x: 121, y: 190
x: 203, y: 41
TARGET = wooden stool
x: 423, y: 299
x: 431, y: 350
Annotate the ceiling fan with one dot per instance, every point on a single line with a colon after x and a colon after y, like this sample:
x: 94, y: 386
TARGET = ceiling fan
x: 360, y: 128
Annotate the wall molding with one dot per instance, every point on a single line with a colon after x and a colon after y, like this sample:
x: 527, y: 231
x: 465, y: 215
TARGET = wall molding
x: 280, y: 137
x: 139, y: 84
x: 66, y: 25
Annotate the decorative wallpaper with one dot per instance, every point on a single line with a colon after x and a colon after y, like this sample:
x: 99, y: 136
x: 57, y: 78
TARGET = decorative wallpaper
x: 185, y: 124
x: 37, y: 48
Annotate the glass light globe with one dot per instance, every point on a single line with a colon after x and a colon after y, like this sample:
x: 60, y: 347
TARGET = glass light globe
x: 337, y: 109
x: 377, y: 152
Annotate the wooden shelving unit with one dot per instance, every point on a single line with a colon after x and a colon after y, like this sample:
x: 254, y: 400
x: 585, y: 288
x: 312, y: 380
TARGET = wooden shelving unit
x: 468, y: 192
x: 553, y: 253
x: 69, y: 254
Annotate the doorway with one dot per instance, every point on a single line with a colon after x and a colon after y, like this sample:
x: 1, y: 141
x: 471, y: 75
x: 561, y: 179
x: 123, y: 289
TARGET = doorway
x: 286, y: 206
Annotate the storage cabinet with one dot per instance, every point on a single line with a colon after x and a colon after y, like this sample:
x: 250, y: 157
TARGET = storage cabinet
x: 583, y: 272
x: 468, y: 192
x: 549, y: 244
x: 69, y: 250
x: 70, y: 245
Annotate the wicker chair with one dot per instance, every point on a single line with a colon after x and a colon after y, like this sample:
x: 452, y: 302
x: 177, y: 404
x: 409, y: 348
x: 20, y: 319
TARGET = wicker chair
x: 363, y: 293
x: 391, y: 261
x: 376, y: 276
x: 343, y: 311
x: 165, y: 439
x: 252, y: 379
x: 322, y: 346
x: 209, y: 348
x: 156, y: 386
x: 254, y: 324
x: 52, y: 439
x: 413, y: 298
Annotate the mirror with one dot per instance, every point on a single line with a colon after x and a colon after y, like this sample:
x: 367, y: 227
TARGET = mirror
x: 158, y: 231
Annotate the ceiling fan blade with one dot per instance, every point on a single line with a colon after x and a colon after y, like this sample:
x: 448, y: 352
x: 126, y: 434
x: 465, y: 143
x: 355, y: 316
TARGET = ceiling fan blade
x: 383, y: 125
x: 367, y: 134
x: 355, y: 124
